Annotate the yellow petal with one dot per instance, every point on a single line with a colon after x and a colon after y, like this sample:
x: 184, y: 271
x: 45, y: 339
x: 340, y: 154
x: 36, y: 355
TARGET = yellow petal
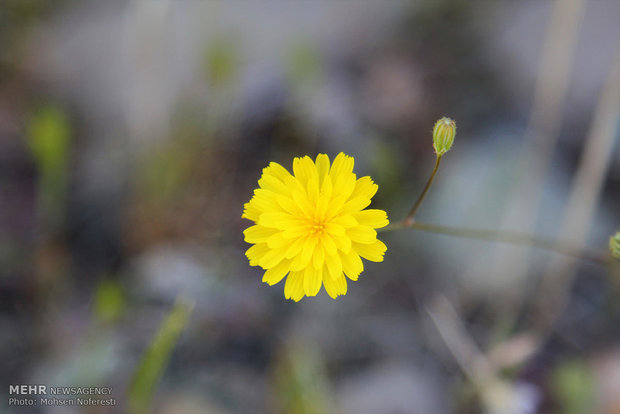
x: 341, y: 284
x: 322, y: 166
x: 373, y: 252
x: 277, y: 273
x: 295, y: 247
x: 318, y: 257
x: 272, y: 258
x: 329, y: 244
x: 264, y: 201
x: 343, y: 165
x: 362, y: 234
x: 343, y: 243
x: 364, y: 187
x: 300, y: 263
x: 372, y: 218
x: 313, y: 191
x: 324, y: 200
x: 334, y: 206
x: 333, y: 265
x: 256, y: 253
x: 304, y: 169
x: 271, y: 183
x: 308, y: 249
x: 335, y: 287
x: 258, y: 234
x: 344, y: 184
x: 296, y: 232
x: 250, y: 212
x: 279, y: 172
x: 294, y: 287
x: 288, y: 204
x: 279, y: 220
x: 345, y: 220
x: 351, y: 264
x: 277, y: 241
x: 334, y: 229
x: 301, y: 200
x: 354, y: 205
x: 312, y: 281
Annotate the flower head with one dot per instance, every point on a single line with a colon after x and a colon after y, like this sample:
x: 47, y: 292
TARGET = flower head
x: 313, y: 226
x: 443, y: 135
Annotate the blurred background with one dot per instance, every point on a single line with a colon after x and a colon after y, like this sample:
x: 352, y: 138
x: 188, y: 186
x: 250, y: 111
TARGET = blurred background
x: 131, y: 134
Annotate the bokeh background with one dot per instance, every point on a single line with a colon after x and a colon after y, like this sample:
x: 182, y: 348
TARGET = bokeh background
x: 131, y: 134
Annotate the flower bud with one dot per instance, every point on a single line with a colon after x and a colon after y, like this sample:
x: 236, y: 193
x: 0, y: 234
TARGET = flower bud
x: 614, y: 245
x: 443, y: 135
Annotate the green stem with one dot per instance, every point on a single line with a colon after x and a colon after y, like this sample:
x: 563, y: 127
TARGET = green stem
x: 416, y: 205
x: 512, y: 237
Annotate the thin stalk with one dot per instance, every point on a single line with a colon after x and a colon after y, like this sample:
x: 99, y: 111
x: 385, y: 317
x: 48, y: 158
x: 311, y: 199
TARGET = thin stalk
x: 511, y: 237
x: 409, y: 219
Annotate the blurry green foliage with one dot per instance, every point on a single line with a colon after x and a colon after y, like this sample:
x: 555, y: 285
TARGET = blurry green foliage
x: 303, y: 63
x: 17, y: 19
x: 300, y: 381
x: 221, y: 62
x: 48, y: 133
x: 24, y: 9
x: 49, y: 138
x: 167, y: 170
x: 155, y: 359
x: 109, y: 301
x: 92, y: 359
x: 385, y: 166
x: 614, y: 245
x: 572, y: 386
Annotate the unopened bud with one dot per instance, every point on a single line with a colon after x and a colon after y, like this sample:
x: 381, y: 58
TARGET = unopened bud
x: 614, y: 245
x: 443, y: 135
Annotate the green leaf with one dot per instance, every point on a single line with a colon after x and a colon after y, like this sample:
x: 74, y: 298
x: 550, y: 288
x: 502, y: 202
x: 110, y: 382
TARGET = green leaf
x: 300, y: 382
x: 221, y: 62
x: 303, y: 63
x: 156, y: 358
x: 109, y: 301
x: 572, y: 386
x: 48, y: 133
x: 49, y: 140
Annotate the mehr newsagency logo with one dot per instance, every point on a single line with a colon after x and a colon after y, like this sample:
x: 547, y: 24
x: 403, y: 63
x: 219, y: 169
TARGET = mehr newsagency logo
x: 44, y: 395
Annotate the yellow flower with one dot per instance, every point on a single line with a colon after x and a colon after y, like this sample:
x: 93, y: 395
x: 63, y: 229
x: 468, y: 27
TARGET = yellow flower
x: 312, y: 225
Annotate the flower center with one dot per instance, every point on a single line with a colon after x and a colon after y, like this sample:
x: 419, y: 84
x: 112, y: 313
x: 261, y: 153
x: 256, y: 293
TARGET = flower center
x: 317, y: 227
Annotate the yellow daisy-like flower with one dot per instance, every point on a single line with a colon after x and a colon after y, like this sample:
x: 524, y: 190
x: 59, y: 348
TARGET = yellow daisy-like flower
x: 312, y: 225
